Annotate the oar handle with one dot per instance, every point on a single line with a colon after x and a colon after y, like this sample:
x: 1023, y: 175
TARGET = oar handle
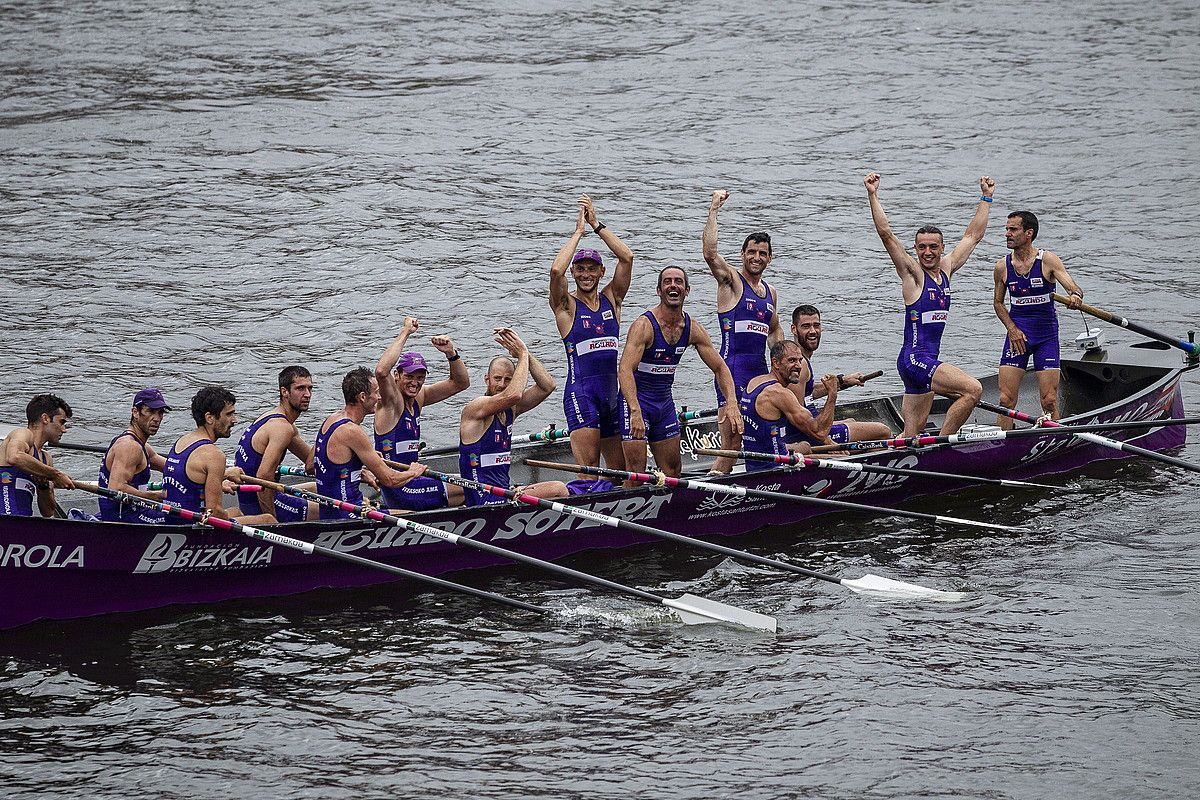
x: 1191, y: 348
x: 1095, y: 311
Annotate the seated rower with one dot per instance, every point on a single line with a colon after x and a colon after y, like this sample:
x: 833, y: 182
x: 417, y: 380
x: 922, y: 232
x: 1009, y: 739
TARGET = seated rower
x: 655, y: 343
x: 195, y: 471
x: 770, y: 409
x: 485, y: 426
x: 343, y: 448
x: 806, y: 332
x: 403, y: 394
x: 263, y: 444
x: 129, y: 459
x: 26, y: 469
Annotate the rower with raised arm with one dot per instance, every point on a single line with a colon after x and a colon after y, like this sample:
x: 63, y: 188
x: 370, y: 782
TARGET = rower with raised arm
x: 195, y: 475
x: 485, y: 426
x: 127, y: 462
x: 1029, y: 277
x: 772, y: 411
x: 655, y: 343
x: 806, y: 332
x: 589, y: 322
x: 747, y: 312
x: 343, y: 448
x: 263, y: 444
x: 925, y: 286
x: 27, y: 471
x: 403, y: 395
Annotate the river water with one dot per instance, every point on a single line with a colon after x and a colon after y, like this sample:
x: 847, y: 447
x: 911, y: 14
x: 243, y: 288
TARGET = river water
x: 205, y: 192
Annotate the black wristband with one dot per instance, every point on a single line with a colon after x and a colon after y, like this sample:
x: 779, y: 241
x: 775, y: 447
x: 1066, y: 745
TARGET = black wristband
x: 599, y: 227
x: 841, y: 382
x: 454, y: 357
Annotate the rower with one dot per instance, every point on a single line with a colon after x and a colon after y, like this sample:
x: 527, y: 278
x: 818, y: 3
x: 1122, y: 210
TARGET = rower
x: 655, y: 343
x: 1029, y: 276
x: 806, y: 332
x: 770, y: 409
x: 26, y: 469
x: 263, y: 444
x: 589, y: 322
x: 746, y: 308
x: 343, y: 448
x: 485, y: 426
x: 195, y: 473
x: 403, y: 394
x: 925, y: 286
x: 129, y: 459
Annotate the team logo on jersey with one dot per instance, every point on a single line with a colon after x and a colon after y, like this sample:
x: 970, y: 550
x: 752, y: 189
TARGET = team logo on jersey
x: 343, y: 474
x: 726, y: 324
x: 473, y: 460
x: 607, y: 315
x: 761, y: 314
x: 570, y: 349
x: 1035, y: 282
x: 386, y: 446
x: 914, y: 315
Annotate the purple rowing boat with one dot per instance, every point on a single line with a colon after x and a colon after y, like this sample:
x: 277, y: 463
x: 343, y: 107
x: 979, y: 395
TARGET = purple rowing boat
x: 62, y: 569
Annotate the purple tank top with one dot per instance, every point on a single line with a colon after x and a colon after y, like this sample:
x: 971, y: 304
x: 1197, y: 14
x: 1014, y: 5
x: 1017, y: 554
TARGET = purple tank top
x: 112, y: 510
x: 761, y: 435
x: 925, y: 320
x: 1030, y: 305
x: 655, y: 373
x: 181, y: 490
x: 592, y: 343
x: 487, y: 460
x: 402, y: 443
x: 335, y: 479
x: 18, y: 490
x: 249, y: 460
x: 744, y: 330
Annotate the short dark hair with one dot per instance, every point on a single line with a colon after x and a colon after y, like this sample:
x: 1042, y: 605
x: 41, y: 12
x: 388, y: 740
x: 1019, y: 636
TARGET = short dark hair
x: 804, y: 311
x: 356, y: 382
x: 211, y: 400
x: 931, y: 229
x: 1028, y: 221
x: 686, y: 283
x: 289, y: 374
x: 45, y: 404
x: 781, y: 347
x: 758, y: 238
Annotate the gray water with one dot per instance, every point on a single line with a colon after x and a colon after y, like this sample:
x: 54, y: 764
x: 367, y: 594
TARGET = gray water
x: 203, y: 193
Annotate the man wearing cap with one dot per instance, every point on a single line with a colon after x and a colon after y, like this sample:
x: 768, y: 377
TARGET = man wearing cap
x: 589, y: 322
x: 26, y: 469
x: 746, y: 311
x: 263, y: 444
x: 129, y: 459
x: 403, y: 394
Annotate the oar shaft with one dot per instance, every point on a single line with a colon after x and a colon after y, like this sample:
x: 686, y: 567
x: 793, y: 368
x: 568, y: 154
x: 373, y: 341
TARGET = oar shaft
x: 1191, y: 348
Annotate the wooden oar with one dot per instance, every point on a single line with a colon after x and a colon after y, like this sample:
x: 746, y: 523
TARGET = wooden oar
x: 997, y: 435
x: 305, y: 547
x: 1191, y: 348
x: 1094, y: 438
x: 867, y: 583
x: 795, y: 459
x: 692, y: 609
x: 862, y: 508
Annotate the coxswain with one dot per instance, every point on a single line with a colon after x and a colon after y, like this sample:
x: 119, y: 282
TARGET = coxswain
x: 1029, y: 277
x: 771, y: 411
x: 129, y: 459
x: 925, y: 286
x: 27, y: 471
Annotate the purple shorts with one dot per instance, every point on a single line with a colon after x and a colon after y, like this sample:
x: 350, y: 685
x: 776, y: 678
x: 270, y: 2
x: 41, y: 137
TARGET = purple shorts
x: 1044, y: 352
x: 289, y: 508
x: 419, y: 494
x: 593, y: 404
x: 916, y: 371
x: 662, y: 420
x: 840, y: 432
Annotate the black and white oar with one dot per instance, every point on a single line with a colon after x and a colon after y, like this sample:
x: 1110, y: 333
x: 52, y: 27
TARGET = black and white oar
x: 551, y: 434
x: 795, y: 459
x: 1094, y: 438
x: 867, y: 583
x: 6, y: 429
x: 1191, y: 348
x: 690, y: 608
x: 305, y: 547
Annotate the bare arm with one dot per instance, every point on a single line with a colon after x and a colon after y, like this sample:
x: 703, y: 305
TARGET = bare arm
x: 211, y: 460
x: 975, y: 230
x: 618, y: 287
x: 18, y: 451
x: 359, y: 443
x: 543, y: 387
x: 157, y: 462
x: 721, y: 269
x: 560, y: 295
x: 459, y: 378
x: 125, y: 460
x: 720, y: 370
x: 1054, y: 270
x: 388, y: 393
x: 279, y: 438
x: 774, y: 330
x: 906, y: 265
x: 1016, y: 338
x: 640, y: 337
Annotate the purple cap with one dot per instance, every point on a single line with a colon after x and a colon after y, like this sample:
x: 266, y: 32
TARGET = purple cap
x: 588, y: 254
x: 411, y: 362
x: 150, y: 398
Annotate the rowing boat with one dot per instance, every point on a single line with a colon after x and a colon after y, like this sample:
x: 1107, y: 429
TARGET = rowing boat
x: 62, y: 569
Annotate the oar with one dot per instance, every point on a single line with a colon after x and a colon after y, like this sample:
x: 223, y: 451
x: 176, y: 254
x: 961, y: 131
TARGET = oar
x: 305, y: 547
x: 550, y: 435
x: 795, y: 459
x: 155, y: 486
x: 6, y: 429
x: 692, y: 609
x: 997, y: 435
x: 867, y: 583
x: 1104, y: 441
x: 863, y: 508
x: 1191, y: 348
x: 689, y: 416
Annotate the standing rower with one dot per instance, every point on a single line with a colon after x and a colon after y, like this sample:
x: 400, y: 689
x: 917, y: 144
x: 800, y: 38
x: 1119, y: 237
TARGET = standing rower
x: 343, y: 448
x: 806, y: 332
x: 772, y: 411
x: 485, y: 426
x: 1029, y: 277
x: 127, y: 462
x: 655, y: 343
x: 262, y: 446
x: 194, y: 473
x: 589, y: 322
x: 746, y: 309
x: 925, y: 286
x: 403, y: 394
x: 27, y: 471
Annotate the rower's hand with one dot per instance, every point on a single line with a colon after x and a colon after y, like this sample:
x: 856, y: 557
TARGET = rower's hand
x: 411, y: 325
x: 369, y: 479
x: 508, y: 339
x: 589, y: 210
x: 1017, y: 341
x: 235, y: 474
x: 229, y: 487
x: 1074, y: 300
x: 830, y: 382
x: 987, y: 186
x: 415, y: 470
x: 62, y: 480
x: 718, y: 199
x: 732, y: 415
x: 871, y: 181
x: 637, y: 424
x: 853, y: 379
x: 581, y: 219
x: 444, y: 344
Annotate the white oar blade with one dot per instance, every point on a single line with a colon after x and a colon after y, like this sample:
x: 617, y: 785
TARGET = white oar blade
x: 977, y: 524
x: 875, y: 584
x: 695, y: 610
x: 1025, y: 484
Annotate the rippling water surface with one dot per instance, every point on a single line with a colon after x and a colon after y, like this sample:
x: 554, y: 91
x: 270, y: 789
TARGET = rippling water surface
x: 204, y: 192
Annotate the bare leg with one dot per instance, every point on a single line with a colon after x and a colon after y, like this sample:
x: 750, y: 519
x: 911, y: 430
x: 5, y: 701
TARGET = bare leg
x: 251, y: 519
x: 546, y: 489
x: 585, y: 447
x: 1010, y: 390
x: 635, y: 457
x: 866, y: 431
x: 951, y: 381
x: 915, y: 410
x: 455, y: 496
x: 729, y: 441
x: 666, y: 456
x: 1048, y: 389
x: 614, y: 452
